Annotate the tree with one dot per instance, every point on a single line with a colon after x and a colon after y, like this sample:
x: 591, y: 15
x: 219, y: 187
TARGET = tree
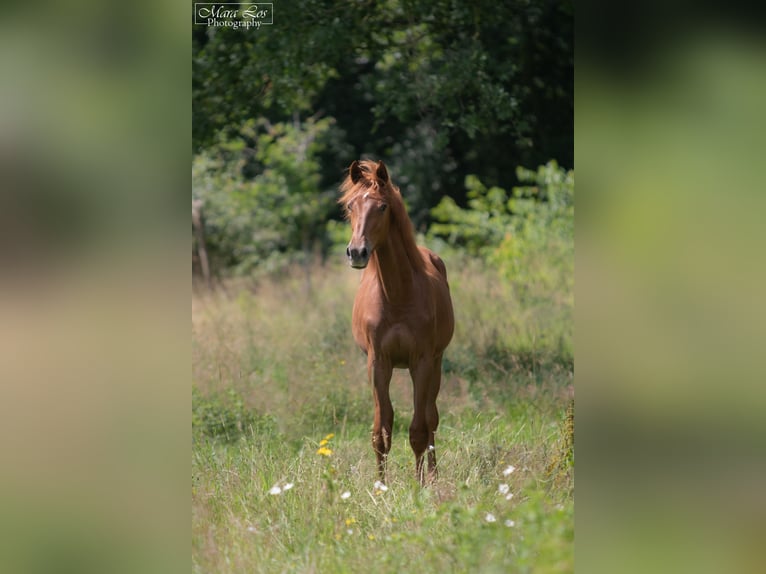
x: 439, y: 89
x: 264, y: 205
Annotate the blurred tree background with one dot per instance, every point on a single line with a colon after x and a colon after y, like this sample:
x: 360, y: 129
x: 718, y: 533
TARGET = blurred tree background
x: 463, y: 100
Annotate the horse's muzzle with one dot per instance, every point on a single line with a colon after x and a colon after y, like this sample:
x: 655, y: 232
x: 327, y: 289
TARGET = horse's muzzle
x: 358, y: 257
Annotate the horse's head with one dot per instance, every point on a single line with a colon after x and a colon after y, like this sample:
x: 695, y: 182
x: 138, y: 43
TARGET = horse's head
x: 367, y: 194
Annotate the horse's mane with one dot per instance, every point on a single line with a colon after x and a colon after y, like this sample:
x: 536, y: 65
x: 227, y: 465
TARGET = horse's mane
x: 400, y: 220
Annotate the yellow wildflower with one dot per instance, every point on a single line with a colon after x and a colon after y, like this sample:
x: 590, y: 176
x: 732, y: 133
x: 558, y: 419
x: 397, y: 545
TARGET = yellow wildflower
x: 323, y: 442
x: 324, y: 451
x: 329, y: 436
x: 350, y: 521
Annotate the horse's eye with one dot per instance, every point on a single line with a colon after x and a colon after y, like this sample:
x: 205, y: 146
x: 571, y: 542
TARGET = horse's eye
x: 382, y: 207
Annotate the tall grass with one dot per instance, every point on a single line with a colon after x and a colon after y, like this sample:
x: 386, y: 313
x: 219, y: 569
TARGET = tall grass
x: 275, y: 370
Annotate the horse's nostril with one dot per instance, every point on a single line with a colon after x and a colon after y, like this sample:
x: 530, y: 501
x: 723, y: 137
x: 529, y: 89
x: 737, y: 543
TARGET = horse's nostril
x: 348, y: 252
x: 364, y: 252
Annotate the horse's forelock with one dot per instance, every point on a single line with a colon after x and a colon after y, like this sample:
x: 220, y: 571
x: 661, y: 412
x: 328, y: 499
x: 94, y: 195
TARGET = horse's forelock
x: 368, y: 183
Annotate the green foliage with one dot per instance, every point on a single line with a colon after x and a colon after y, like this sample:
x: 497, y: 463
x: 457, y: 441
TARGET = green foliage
x: 439, y: 88
x: 278, y: 70
x: 478, y: 229
x: 528, y: 237
x: 263, y: 204
x: 455, y: 77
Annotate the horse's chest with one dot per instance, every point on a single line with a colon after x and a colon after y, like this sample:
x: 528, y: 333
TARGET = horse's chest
x: 395, y: 333
x: 399, y: 344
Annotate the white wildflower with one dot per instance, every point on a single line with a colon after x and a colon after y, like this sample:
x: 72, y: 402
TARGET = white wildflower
x: 275, y: 490
x: 509, y: 496
x: 345, y: 495
x: 510, y: 523
x: 380, y: 486
x: 251, y: 529
x: 503, y: 489
x: 287, y: 486
x: 509, y: 469
x: 490, y: 517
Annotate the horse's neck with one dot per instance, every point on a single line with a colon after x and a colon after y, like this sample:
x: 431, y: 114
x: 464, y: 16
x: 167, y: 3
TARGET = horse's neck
x: 393, y: 269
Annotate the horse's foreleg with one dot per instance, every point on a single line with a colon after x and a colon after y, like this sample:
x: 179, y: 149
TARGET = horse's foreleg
x: 380, y: 375
x: 432, y: 414
x: 425, y: 379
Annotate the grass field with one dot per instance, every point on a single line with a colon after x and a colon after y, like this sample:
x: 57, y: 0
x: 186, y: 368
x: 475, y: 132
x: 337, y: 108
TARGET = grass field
x: 275, y: 372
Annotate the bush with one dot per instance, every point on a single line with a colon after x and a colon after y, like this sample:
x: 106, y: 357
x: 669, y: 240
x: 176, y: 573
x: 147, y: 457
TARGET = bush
x: 264, y: 208
x: 528, y: 237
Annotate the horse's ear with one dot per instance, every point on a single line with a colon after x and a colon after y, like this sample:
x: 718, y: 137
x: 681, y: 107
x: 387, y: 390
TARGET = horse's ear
x: 382, y: 172
x: 355, y: 171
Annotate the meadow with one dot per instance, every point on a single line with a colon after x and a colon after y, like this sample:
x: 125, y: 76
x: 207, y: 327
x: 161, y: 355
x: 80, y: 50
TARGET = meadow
x: 283, y: 473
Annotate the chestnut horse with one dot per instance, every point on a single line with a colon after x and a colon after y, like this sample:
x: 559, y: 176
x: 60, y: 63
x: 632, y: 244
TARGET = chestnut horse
x: 403, y: 315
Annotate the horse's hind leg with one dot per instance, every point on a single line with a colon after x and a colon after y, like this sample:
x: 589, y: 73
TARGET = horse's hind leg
x: 380, y: 375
